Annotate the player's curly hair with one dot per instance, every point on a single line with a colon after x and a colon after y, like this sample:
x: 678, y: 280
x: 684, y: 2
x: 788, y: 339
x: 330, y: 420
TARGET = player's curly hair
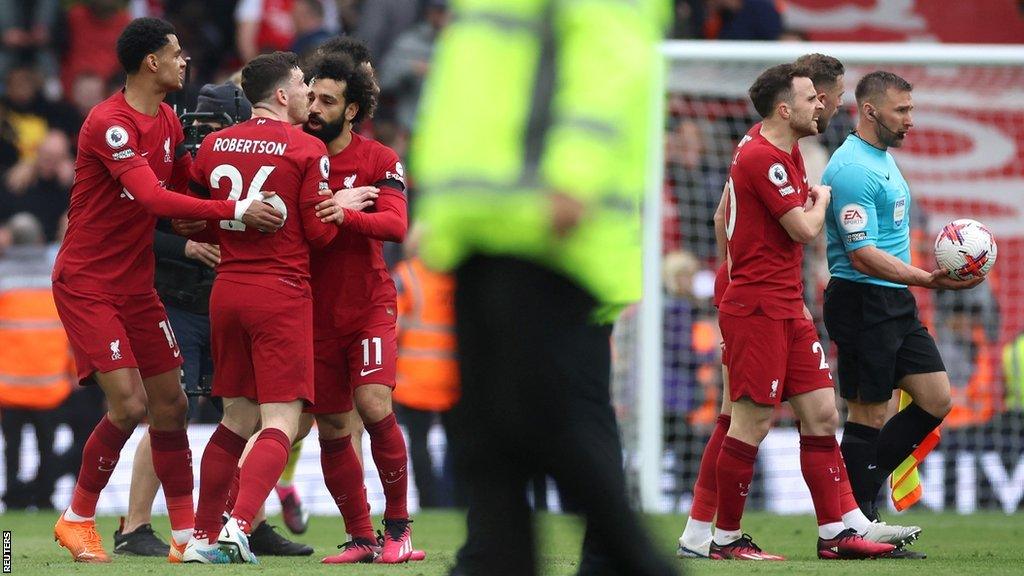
x: 774, y: 85
x: 266, y: 73
x: 822, y: 69
x: 359, y: 87
x: 355, y: 49
x: 142, y: 36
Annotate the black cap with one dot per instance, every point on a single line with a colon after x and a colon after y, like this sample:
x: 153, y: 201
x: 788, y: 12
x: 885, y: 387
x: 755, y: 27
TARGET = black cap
x: 219, y: 98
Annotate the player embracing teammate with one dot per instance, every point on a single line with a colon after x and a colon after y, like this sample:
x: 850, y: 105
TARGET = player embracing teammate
x: 355, y: 333
x: 261, y: 308
x: 129, y: 148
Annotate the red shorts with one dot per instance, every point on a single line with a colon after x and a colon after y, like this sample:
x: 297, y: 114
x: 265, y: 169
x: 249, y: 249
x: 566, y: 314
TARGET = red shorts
x: 111, y: 331
x: 366, y: 356
x: 773, y: 360
x: 262, y: 342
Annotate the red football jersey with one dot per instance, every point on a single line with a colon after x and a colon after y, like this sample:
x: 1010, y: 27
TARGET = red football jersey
x: 722, y: 274
x: 350, y: 275
x: 764, y: 183
x: 109, y: 243
x: 265, y: 155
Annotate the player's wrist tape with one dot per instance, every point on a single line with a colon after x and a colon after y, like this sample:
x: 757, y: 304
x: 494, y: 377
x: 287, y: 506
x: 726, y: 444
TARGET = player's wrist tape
x: 241, y: 206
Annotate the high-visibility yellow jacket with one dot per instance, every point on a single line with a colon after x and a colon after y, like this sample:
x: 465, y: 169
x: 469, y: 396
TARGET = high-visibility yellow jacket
x: 530, y: 97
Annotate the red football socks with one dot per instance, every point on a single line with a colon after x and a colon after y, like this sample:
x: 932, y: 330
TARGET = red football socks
x: 822, y: 474
x: 343, y: 476
x: 389, y: 454
x: 220, y: 460
x: 260, y: 472
x: 172, y: 461
x: 99, y: 457
x: 705, y: 490
x: 847, y: 501
x: 735, y: 470
x: 229, y: 504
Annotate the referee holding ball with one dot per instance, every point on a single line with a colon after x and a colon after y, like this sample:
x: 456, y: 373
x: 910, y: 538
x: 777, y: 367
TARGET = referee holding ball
x: 869, y: 311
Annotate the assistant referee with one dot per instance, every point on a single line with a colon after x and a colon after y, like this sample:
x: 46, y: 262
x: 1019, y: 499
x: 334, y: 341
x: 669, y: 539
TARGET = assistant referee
x: 869, y: 312
x: 530, y: 155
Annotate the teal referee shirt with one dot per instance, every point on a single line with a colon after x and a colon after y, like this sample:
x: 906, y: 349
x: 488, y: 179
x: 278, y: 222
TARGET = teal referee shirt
x: 870, y: 207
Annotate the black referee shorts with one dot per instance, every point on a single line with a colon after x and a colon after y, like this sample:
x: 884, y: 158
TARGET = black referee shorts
x: 879, y: 337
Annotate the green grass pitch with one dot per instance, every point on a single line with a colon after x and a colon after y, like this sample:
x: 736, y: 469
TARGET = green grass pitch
x: 988, y: 543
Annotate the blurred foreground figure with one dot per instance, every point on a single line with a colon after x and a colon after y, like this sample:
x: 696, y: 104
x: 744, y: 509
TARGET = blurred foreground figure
x: 531, y: 155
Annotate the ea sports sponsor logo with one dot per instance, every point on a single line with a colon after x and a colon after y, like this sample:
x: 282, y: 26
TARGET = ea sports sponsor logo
x: 853, y: 217
x: 116, y: 137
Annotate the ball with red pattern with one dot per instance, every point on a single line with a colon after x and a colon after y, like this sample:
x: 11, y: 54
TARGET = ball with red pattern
x: 965, y: 248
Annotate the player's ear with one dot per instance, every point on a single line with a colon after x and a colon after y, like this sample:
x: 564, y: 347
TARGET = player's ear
x: 782, y: 109
x: 152, y: 62
x: 351, y: 111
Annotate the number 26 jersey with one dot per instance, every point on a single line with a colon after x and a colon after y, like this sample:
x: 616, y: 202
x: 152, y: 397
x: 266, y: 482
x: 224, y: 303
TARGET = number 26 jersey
x: 266, y: 155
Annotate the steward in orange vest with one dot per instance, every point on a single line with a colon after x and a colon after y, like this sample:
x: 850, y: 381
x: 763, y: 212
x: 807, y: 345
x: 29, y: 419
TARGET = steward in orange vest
x: 428, y: 375
x: 35, y: 366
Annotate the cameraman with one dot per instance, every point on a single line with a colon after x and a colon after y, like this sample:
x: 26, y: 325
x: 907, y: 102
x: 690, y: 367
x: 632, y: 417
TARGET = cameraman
x: 184, y: 279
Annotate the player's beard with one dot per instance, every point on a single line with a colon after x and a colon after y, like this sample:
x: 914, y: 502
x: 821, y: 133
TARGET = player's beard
x: 327, y: 131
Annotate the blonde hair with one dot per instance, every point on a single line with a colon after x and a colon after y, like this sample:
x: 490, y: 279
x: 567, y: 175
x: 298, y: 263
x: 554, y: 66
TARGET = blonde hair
x: 677, y: 263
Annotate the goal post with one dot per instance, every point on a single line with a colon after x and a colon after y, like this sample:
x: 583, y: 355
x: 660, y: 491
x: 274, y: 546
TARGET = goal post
x: 964, y: 158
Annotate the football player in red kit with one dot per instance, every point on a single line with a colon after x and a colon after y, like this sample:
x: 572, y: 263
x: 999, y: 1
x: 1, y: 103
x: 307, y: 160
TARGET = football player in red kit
x: 355, y: 325
x: 774, y: 352
x: 129, y: 147
x: 261, y: 310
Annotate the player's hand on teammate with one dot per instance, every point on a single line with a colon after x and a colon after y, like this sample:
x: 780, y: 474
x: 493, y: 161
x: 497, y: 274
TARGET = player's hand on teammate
x: 820, y: 194
x: 187, y: 227
x: 262, y: 216
x: 332, y: 209
x: 208, y: 254
x: 941, y: 280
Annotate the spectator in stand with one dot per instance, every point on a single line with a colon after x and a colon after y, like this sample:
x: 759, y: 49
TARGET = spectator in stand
x: 967, y: 325
x: 35, y: 366
x: 25, y: 27
x: 29, y: 113
x: 407, y: 64
x: 310, y: 28
x: 428, y: 375
x: 736, y: 19
x: 40, y: 186
x: 87, y: 37
x: 263, y: 26
x: 381, y: 21
x: 697, y: 186
x: 87, y: 90
x: 8, y: 144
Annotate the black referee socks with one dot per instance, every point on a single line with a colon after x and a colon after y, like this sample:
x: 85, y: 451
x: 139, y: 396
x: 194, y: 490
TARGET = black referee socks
x: 901, y: 435
x: 859, y: 448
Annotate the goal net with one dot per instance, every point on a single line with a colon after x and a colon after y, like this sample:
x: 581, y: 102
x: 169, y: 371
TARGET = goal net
x: 963, y: 159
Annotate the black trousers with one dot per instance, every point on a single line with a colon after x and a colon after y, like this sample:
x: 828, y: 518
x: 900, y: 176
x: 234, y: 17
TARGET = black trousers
x: 436, y: 491
x: 38, y: 492
x: 536, y: 398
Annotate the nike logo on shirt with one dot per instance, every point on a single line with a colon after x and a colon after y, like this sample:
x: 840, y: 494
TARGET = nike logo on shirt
x: 368, y: 372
